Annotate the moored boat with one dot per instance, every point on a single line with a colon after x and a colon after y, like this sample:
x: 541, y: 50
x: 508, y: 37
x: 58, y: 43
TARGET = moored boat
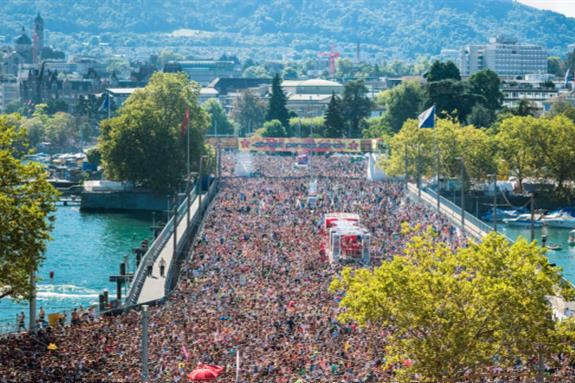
x: 523, y: 220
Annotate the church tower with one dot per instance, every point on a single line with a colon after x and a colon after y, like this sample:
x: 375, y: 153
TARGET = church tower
x: 38, y: 39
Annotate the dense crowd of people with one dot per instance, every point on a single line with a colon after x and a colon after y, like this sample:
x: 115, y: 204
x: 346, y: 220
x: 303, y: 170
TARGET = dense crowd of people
x: 256, y: 285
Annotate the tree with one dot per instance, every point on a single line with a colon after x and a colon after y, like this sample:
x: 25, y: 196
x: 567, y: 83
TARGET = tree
x: 220, y: 124
x: 26, y: 202
x: 249, y: 112
x: 413, y: 147
x: 56, y: 105
x: 356, y: 106
x: 145, y: 143
x: 308, y: 126
x: 486, y: 83
x: 376, y: 127
x: 334, y: 123
x: 61, y: 130
x: 401, y: 103
x: 524, y: 108
x: 481, y: 116
x: 442, y: 71
x: 277, y: 104
x: 555, y: 66
x: 515, y: 147
x: 451, y: 98
x: 274, y: 128
x: 563, y: 107
x: 455, y: 313
x: 552, y: 140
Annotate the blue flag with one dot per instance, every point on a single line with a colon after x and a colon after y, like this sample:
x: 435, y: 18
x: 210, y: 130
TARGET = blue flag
x: 427, y: 118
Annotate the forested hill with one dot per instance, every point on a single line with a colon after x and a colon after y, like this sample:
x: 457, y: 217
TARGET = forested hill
x: 400, y: 27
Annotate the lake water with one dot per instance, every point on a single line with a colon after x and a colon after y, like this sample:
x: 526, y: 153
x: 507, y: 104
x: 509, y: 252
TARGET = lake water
x: 565, y: 258
x: 86, y: 249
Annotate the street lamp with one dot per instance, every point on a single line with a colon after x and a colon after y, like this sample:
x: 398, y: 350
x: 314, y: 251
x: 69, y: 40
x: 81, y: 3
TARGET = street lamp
x: 462, y: 193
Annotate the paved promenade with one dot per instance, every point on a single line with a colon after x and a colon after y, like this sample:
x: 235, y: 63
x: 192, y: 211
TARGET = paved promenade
x: 154, y: 285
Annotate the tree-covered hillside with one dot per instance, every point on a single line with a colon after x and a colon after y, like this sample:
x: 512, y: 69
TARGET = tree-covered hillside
x: 395, y: 27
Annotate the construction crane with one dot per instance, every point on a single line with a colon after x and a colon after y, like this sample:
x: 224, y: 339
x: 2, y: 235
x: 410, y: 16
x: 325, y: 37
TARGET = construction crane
x: 333, y: 55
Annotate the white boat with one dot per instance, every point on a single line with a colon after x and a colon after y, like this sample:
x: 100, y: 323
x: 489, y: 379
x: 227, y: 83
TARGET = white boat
x: 560, y: 220
x: 571, y: 239
x: 523, y: 220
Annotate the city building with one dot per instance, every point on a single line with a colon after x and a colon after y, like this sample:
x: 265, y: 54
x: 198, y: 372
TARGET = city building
x: 505, y: 56
x: 9, y: 93
x: 452, y: 55
x: 310, y: 98
x: 537, y: 92
x: 38, y: 40
x: 205, y: 71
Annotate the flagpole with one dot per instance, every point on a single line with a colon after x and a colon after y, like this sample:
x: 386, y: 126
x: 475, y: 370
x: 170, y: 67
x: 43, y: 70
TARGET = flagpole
x: 238, y: 365
x: 438, y: 189
x: 188, y: 151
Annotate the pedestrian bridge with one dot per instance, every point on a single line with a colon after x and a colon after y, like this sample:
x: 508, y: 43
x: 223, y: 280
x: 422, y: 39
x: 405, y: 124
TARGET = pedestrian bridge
x: 169, y: 249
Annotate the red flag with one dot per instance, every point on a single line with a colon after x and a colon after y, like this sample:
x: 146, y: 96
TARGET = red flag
x: 185, y: 122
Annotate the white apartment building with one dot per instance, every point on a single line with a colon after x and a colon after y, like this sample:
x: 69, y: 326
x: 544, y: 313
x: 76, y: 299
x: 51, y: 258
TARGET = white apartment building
x: 505, y: 56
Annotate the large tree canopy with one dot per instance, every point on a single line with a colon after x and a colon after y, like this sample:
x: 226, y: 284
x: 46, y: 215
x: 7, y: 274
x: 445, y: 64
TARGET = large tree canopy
x: 454, y: 313
x: 146, y: 143
x: 26, y: 201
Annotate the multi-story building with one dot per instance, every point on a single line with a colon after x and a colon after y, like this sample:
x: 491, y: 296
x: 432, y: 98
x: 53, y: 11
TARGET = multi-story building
x: 452, y: 55
x: 9, y: 92
x: 533, y: 89
x: 204, y: 71
x: 310, y: 98
x: 505, y: 56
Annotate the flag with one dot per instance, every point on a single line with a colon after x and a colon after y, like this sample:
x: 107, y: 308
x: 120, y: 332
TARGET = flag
x: 105, y: 103
x: 427, y: 118
x: 185, y: 122
x: 567, y: 77
x: 185, y: 352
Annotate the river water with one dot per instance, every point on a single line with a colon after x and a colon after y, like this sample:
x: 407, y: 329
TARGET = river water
x: 86, y: 249
x: 564, y: 258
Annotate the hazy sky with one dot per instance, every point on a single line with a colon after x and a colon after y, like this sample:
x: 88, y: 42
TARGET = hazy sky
x: 567, y: 7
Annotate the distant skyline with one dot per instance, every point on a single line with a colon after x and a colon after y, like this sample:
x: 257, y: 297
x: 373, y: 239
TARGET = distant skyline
x: 566, y: 7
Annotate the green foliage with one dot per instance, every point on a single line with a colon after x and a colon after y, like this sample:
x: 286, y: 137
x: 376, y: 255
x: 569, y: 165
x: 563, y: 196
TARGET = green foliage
x: 562, y: 107
x: 555, y: 66
x: 402, y: 28
x: 481, y: 116
x: 144, y: 144
x: 454, y: 312
x: 273, y: 128
x: 486, y: 84
x: 26, y: 201
x: 334, y: 123
x: 277, y: 104
x: 220, y: 124
x: 450, y: 141
x: 401, y: 103
x: 249, y: 112
x: 376, y: 127
x: 59, y: 129
x: 308, y: 127
x: 442, y: 71
x: 356, y: 107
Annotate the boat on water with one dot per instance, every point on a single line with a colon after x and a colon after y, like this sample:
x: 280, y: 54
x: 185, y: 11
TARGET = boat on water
x: 502, y: 214
x: 571, y: 239
x: 554, y: 247
x: 561, y: 219
x: 524, y: 220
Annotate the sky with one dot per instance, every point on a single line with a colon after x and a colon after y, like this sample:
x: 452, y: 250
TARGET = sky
x: 566, y: 7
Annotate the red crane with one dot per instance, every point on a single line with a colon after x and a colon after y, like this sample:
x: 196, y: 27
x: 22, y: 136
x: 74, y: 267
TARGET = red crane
x: 333, y: 55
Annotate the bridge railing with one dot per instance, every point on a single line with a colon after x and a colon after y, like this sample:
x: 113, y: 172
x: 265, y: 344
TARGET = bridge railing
x: 155, y: 249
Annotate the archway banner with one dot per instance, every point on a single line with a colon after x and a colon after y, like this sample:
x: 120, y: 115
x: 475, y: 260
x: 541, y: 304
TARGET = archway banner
x: 304, y: 145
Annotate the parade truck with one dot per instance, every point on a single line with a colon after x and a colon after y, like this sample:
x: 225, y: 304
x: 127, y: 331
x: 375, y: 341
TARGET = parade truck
x: 345, y: 239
